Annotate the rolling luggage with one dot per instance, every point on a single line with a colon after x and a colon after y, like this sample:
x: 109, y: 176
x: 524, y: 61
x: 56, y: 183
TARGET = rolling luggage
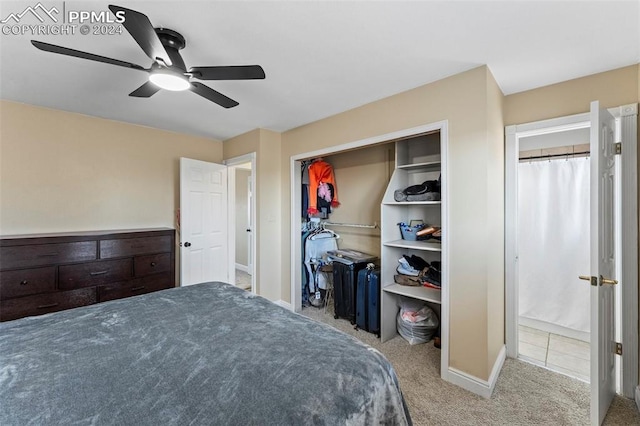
x: 368, y: 300
x: 346, y: 265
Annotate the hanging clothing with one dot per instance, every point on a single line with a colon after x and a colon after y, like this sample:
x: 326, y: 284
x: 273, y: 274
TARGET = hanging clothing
x: 320, y: 172
x: 305, y: 187
x: 316, y: 246
x: 325, y: 197
x: 305, y: 273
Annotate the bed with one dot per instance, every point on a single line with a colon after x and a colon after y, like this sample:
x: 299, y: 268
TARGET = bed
x: 204, y: 354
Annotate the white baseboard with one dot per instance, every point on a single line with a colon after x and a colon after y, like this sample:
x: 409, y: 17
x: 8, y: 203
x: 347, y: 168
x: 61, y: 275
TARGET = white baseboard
x: 473, y: 384
x: 284, y: 304
x: 243, y: 268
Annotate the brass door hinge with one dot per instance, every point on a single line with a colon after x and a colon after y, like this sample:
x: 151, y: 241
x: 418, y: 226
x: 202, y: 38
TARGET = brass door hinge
x: 618, y: 148
x: 618, y: 348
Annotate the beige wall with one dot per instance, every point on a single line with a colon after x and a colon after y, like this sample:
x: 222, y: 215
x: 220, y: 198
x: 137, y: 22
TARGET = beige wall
x: 268, y: 199
x: 611, y: 88
x: 62, y: 171
x: 463, y: 101
x: 361, y: 178
x: 496, y: 217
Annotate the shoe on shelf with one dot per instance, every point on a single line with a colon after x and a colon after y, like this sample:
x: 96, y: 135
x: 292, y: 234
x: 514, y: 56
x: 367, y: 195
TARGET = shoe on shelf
x: 401, y: 269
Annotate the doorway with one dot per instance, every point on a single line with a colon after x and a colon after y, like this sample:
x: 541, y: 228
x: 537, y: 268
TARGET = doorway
x: 627, y: 253
x: 553, y: 250
x: 242, y: 220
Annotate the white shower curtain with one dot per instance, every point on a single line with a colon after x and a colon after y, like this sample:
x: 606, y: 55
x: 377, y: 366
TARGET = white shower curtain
x: 553, y: 241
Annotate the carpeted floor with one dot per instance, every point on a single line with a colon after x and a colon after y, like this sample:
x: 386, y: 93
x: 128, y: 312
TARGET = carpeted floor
x: 524, y: 395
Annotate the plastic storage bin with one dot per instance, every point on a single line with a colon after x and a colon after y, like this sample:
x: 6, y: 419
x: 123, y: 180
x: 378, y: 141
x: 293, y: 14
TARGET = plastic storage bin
x: 408, y: 232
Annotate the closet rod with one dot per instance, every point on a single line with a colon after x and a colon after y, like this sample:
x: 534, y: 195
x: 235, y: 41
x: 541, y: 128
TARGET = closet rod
x: 352, y: 225
x: 567, y: 155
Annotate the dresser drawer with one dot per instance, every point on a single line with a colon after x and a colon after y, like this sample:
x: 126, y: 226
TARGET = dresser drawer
x: 45, y: 303
x: 23, y: 282
x: 94, y: 273
x: 137, y: 286
x: 132, y: 246
x: 151, y: 264
x: 46, y: 254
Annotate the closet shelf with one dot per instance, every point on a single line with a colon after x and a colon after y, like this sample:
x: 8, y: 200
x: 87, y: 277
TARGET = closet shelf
x: 419, y: 292
x: 422, y: 166
x: 415, y: 245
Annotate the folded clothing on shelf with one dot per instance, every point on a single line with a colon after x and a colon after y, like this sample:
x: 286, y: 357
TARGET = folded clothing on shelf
x: 428, y: 190
x: 432, y: 276
x: 415, y: 271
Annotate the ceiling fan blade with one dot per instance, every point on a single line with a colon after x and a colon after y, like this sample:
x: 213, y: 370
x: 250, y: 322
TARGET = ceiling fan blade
x: 236, y: 72
x: 147, y: 90
x: 84, y: 55
x: 208, y: 93
x: 143, y: 33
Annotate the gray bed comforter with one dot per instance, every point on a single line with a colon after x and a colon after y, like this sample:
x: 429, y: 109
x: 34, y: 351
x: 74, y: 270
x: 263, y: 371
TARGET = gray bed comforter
x: 208, y: 354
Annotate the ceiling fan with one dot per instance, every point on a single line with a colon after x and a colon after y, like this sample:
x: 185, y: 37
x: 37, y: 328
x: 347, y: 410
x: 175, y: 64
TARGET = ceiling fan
x: 168, y: 70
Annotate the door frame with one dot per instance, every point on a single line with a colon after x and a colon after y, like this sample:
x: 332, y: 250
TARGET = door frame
x: 231, y: 163
x: 629, y: 215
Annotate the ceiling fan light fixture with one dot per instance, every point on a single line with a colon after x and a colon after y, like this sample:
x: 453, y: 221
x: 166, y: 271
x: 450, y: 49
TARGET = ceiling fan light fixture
x: 169, y: 80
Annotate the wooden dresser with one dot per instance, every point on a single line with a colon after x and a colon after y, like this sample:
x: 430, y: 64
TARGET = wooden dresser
x: 44, y: 273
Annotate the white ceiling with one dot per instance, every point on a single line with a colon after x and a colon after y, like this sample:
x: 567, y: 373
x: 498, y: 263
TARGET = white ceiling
x: 320, y: 58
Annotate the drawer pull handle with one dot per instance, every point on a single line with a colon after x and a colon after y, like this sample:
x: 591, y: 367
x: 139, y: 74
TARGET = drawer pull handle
x: 50, y: 305
x: 48, y: 255
x: 153, y: 264
x: 24, y: 282
x: 137, y: 246
x: 137, y: 288
x: 93, y: 274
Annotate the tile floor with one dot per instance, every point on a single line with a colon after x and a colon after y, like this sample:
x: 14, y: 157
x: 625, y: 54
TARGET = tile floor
x: 243, y: 280
x: 558, y: 353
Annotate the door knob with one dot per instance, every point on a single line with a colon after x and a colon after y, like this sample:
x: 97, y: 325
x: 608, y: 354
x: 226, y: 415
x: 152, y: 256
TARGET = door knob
x: 187, y: 244
x: 604, y: 280
x: 594, y: 280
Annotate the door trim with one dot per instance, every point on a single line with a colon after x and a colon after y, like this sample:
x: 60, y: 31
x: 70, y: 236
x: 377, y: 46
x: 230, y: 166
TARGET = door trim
x: 629, y: 307
x: 231, y: 162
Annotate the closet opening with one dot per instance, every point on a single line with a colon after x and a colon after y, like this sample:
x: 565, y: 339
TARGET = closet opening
x: 368, y: 225
x: 340, y: 195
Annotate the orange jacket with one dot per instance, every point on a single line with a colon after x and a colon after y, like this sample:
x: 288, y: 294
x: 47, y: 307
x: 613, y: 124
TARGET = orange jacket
x: 320, y: 172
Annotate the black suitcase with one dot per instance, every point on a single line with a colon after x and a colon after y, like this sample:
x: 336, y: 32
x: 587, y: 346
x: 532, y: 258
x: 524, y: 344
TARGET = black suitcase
x: 368, y: 300
x: 344, y: 288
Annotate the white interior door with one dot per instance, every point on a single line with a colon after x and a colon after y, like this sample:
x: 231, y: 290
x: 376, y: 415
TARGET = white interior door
x: 602, y: 262
x: 204, y: 238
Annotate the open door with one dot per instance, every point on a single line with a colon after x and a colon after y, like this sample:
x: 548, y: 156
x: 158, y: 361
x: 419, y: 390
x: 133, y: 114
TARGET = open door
x: 204, y: 238
x: 602, y: 277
